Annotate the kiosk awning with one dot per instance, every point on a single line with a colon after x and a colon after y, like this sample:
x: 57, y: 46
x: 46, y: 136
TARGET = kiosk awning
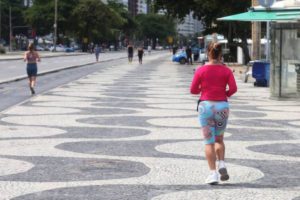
x: 264, y: 15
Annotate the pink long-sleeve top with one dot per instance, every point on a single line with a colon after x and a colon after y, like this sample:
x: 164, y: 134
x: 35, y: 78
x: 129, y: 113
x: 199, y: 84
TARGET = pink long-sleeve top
x: 211, y: 81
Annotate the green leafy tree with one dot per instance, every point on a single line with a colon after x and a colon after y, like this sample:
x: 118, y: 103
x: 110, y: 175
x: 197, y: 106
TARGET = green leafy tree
x: 41, y: 16
x: 16, y: 14
x: 208, y: 11
x: 154, y: 26
x: 129, y: 24
x: 95, y: 20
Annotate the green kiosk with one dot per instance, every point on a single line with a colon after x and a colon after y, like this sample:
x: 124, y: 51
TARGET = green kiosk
x: 283, y: 49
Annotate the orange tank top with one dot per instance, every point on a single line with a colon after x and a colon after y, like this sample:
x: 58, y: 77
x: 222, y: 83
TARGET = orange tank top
x: 31, y: 57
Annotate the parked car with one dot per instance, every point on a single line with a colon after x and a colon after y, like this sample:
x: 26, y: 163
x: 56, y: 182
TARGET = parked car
x: 69, y: 49
x: 180, y: 57
x: 59, y: 48
x: 62, y: 48
x: 202, y: 56
x: 111, y: 47
x: 39, y: 48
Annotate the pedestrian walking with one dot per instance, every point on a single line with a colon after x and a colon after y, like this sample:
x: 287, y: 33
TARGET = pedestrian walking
x: 149, y: 49
x: 130, y: 52
x: 174, y: 49
x: 97, y: 51
x: 31, y: 57
x: 188, y: 52
x: 140, y: 54
x: 211, y: 81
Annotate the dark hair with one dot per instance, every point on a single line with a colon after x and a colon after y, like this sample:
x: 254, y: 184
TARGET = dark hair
x: 31, y: 47
x: 214, y: 50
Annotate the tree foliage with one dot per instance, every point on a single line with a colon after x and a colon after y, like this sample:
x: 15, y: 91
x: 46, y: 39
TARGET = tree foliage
x: 153, y: 26
x: 41, y: 15
x: 95, y: 20
x: 16, y: 14
x: 90, y: 19
x: 208, y: 11
x: 129, y: 23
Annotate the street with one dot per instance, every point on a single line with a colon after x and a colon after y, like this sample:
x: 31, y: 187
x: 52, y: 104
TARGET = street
x: 14, y: 69
x: 115, y: 130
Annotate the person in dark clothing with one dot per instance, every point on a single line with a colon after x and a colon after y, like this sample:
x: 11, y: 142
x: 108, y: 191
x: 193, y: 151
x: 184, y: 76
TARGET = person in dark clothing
x: 188, y: 52
x: 130, y: 52
x: 140, y: 54
x: 174, y: 50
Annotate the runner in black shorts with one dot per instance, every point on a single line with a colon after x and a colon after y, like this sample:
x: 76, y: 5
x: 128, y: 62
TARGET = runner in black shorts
x: 130, y: 53
x: 31, y: 57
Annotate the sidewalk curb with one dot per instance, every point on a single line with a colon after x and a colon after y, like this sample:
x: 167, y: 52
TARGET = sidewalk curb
x: 48, y: 56
x: 56, y: 70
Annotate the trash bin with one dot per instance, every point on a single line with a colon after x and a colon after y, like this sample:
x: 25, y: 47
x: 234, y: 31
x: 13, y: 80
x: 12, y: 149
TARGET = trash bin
x: 261, y: 72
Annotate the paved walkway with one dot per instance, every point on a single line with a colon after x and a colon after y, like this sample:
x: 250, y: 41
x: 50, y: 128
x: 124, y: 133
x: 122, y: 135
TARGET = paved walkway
x: 133, y: 134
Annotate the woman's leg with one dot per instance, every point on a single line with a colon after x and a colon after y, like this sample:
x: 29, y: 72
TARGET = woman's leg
x: 221, y: 117
x: 210, y: 156
x: 33, y: 81
x: 29, y: 81
x: 208, y: 130
x: 220, y: 147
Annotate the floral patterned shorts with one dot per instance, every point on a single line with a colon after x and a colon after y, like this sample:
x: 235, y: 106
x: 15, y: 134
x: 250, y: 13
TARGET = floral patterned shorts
x: 213, y: 117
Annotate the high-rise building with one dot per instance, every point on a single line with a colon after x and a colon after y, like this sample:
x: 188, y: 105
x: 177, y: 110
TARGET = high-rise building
x: 142, y: 7
x: 189, y: 26
x: 134, y: 6
x: 28, y: 3
x: 137, y: 7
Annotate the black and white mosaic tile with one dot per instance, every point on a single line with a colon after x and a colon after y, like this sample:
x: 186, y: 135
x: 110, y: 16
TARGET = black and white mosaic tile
x: 131, y: 132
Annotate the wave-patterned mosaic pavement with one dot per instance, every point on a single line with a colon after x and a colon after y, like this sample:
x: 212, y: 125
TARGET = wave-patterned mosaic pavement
x: 131, y: 132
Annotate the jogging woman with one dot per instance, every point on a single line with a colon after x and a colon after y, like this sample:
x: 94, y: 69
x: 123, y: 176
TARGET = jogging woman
x: 211, y: 81
x: 130, y: 53
x: 31, y: 57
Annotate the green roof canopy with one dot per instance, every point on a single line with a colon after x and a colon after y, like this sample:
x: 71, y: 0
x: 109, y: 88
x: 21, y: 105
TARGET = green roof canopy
x: 265, y: 15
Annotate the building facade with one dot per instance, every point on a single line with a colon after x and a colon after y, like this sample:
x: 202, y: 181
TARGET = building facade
x: 135, y: 7
x: 189, y: 26
x: 132, y: 7
x: 28, y: 3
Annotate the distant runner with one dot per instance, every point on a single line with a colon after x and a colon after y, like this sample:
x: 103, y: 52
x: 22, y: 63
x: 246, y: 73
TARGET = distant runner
x: 130, y: 52
x: 31, y: 57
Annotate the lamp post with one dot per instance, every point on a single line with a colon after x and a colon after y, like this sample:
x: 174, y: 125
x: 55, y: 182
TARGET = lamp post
x: 10, y: 30
x: 55, y: 25
x: 0, y: 19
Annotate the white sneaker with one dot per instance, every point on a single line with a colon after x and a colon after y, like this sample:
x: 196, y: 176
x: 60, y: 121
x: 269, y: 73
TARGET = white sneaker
x: 212, y: 179
x: 224, y: 174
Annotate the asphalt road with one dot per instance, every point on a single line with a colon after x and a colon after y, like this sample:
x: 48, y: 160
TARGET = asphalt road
x: 15, y: 69
x: 17, y: 91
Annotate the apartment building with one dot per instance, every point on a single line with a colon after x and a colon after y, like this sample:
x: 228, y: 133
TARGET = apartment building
x: 189, y: 26
x: 28, y: 3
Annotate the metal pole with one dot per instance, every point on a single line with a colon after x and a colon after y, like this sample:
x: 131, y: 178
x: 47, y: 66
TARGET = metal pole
x: 0, y: 20
x: 268, y: 42
x: 10, y: 30
x: 55, y: 26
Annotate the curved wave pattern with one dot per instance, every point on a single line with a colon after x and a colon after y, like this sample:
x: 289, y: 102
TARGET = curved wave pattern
x: 131, y: 132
